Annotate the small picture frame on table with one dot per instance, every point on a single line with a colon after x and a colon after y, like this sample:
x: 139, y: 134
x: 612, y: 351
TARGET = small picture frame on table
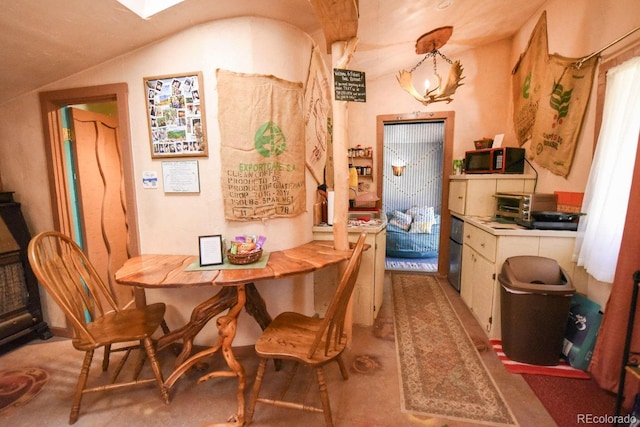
x: 211, y: 250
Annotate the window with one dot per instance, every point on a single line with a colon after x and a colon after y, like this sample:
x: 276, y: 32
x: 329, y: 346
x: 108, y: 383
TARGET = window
x: 607, y: 191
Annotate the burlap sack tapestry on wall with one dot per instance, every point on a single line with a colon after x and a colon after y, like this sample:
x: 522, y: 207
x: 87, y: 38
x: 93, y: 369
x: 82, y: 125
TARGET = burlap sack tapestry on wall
x: 561, y: 113
x: 262, y: 146
x: 527, y: 81
x: 317, y: 116
x: 550, y: 97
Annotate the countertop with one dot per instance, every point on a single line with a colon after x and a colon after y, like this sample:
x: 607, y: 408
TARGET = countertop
x: 489, y: 225
x: 374, y: 226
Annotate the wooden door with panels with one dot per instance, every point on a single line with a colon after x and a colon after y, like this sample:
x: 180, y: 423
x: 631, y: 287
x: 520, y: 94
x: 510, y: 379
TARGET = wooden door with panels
x: 102, y: 206
x: 91, y: 177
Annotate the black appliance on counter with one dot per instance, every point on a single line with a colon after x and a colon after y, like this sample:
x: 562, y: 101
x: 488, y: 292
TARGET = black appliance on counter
x: 548, y: 220
x: 20, y: 310
x: 495, y: 160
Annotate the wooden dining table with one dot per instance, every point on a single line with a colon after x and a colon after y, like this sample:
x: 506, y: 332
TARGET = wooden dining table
x: 237, y: 290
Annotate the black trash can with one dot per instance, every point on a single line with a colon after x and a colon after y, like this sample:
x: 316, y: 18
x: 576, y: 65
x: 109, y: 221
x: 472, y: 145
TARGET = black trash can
x: 535, y: 302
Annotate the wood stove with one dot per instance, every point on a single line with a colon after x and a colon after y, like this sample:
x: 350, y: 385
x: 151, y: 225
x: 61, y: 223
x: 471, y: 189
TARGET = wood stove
x: 20, y: 309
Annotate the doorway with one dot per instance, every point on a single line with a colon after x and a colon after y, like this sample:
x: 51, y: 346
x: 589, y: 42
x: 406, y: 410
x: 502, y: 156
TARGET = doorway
x: 91, y: 176
x: 420, y: 146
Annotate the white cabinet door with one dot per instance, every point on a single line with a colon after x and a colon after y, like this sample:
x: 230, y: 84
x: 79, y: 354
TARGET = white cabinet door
x: 378, y: 292
x: 457, y: 191
x: 479, y: 200
x: 466, y: 278
x: 482, y: 294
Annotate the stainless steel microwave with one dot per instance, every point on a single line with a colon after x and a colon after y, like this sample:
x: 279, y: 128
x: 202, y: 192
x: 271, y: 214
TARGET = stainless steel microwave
x: 495, y: 160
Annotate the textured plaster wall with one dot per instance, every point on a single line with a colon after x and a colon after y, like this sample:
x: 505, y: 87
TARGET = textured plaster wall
x: 171, y: 223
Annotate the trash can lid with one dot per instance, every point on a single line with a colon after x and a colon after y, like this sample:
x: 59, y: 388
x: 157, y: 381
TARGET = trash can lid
x: 534, y: 274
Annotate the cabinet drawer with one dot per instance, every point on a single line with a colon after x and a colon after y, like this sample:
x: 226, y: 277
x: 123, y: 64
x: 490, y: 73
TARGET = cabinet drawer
x: 484, y: 243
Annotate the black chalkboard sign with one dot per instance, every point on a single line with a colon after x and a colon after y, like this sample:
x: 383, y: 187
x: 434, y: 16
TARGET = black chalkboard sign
x: 349, y: 85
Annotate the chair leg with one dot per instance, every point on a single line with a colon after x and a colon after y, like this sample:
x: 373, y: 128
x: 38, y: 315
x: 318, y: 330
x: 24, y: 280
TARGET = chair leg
x: 105, y: 359
x: 324, y: 397
x: 256, y: 390
x: 82, y: 382
x: 139, y: 361
x: 155, y: 366
x: 343, y: 369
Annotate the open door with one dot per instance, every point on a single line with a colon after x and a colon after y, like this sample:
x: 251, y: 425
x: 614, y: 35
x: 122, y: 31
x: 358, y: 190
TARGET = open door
x: 101, y: 194
x: 91, y: 177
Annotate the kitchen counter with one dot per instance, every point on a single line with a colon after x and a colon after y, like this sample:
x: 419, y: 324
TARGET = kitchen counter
x: 486, y: 245
x: 357, y: 223
x: 489, y: 225
x: 368, y: 291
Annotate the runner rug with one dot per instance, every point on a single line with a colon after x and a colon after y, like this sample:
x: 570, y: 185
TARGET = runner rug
x: 19, y: 386
x: 427, y: 265
x: 562, y: 369
x: 441, y: 372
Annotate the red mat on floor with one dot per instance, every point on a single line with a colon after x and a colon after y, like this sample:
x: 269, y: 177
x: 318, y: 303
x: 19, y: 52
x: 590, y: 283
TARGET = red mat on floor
x: 573, y: 402
x: 563, y: 369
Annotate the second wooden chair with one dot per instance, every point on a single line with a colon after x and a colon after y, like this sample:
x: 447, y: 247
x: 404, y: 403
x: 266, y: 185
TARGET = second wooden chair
x: 311, y: 341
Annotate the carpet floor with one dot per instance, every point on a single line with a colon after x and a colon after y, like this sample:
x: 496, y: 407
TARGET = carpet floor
x: 573, y: 402
x: 441, y: 372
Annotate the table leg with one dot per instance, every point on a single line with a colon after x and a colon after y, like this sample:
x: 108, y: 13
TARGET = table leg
x: 233, y: 298
x: 200, y: 316
x: 256, y: 306
x: 227, y: 331
x: 204, y: 312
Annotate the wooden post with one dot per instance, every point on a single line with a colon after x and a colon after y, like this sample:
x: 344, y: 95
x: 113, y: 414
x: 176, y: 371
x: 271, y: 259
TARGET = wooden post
x: 340, y: 160
x: 341, y: 176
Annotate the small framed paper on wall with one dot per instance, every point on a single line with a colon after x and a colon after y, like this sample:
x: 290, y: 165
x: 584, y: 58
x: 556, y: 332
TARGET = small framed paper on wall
x: 175, y: 114
x: 211, y: 250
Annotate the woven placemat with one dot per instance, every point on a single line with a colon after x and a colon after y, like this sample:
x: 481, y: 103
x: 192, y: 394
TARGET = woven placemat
x: 261, y: 263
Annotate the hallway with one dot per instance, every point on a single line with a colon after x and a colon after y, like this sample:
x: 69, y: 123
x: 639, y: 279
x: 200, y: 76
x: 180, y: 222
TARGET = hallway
x: 370, y: 397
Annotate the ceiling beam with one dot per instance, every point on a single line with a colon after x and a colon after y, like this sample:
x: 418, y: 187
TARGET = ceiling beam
x: 338, y: 18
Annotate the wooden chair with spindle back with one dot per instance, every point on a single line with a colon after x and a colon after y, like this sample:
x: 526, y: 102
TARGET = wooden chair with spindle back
x: 66, y: 273
x: 312, y: 341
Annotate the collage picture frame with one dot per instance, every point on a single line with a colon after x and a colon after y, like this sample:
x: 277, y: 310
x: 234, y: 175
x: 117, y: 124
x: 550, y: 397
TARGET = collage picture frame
x: 176, y: 115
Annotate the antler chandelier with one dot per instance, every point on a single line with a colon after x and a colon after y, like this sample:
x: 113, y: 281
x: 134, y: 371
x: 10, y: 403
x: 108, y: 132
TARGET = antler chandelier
x: 428, y: 44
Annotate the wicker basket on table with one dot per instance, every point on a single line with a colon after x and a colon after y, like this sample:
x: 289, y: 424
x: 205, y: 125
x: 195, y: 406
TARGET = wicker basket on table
x: 244, y: 258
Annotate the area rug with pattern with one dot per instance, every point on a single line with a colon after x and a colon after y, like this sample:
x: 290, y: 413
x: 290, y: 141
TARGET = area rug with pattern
x: 427, y: 265
x: 441, y: 372
x: 19, y: 386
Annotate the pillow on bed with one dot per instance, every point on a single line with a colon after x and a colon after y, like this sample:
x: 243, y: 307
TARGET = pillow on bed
x: 401, y: 219
x: 423, y: 218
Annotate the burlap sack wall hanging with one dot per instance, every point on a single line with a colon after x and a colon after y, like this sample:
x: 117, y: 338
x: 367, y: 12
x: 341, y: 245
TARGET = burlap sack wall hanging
x: 262, y: 146
x: 317, y: 116
x: 550, y: 97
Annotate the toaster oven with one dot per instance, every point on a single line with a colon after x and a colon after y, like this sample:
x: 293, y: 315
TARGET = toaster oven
x: 519, y: 206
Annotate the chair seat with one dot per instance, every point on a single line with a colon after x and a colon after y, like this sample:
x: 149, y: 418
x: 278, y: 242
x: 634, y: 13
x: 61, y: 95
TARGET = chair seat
x: 122, y: 326
x: 290, y: 335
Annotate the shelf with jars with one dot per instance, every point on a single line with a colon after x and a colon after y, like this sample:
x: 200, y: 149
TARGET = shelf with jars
x: 361, y: 158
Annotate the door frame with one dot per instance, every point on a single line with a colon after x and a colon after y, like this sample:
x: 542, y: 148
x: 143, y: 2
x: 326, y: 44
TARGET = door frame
x: 50, y: 104
x: 445, y: 218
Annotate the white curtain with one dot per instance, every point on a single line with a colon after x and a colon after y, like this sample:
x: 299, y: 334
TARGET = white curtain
x: 607, y: 192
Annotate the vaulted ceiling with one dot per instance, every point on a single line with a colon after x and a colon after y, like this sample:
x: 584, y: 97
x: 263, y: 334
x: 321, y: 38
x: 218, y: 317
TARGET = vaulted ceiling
x: 44, y: 41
